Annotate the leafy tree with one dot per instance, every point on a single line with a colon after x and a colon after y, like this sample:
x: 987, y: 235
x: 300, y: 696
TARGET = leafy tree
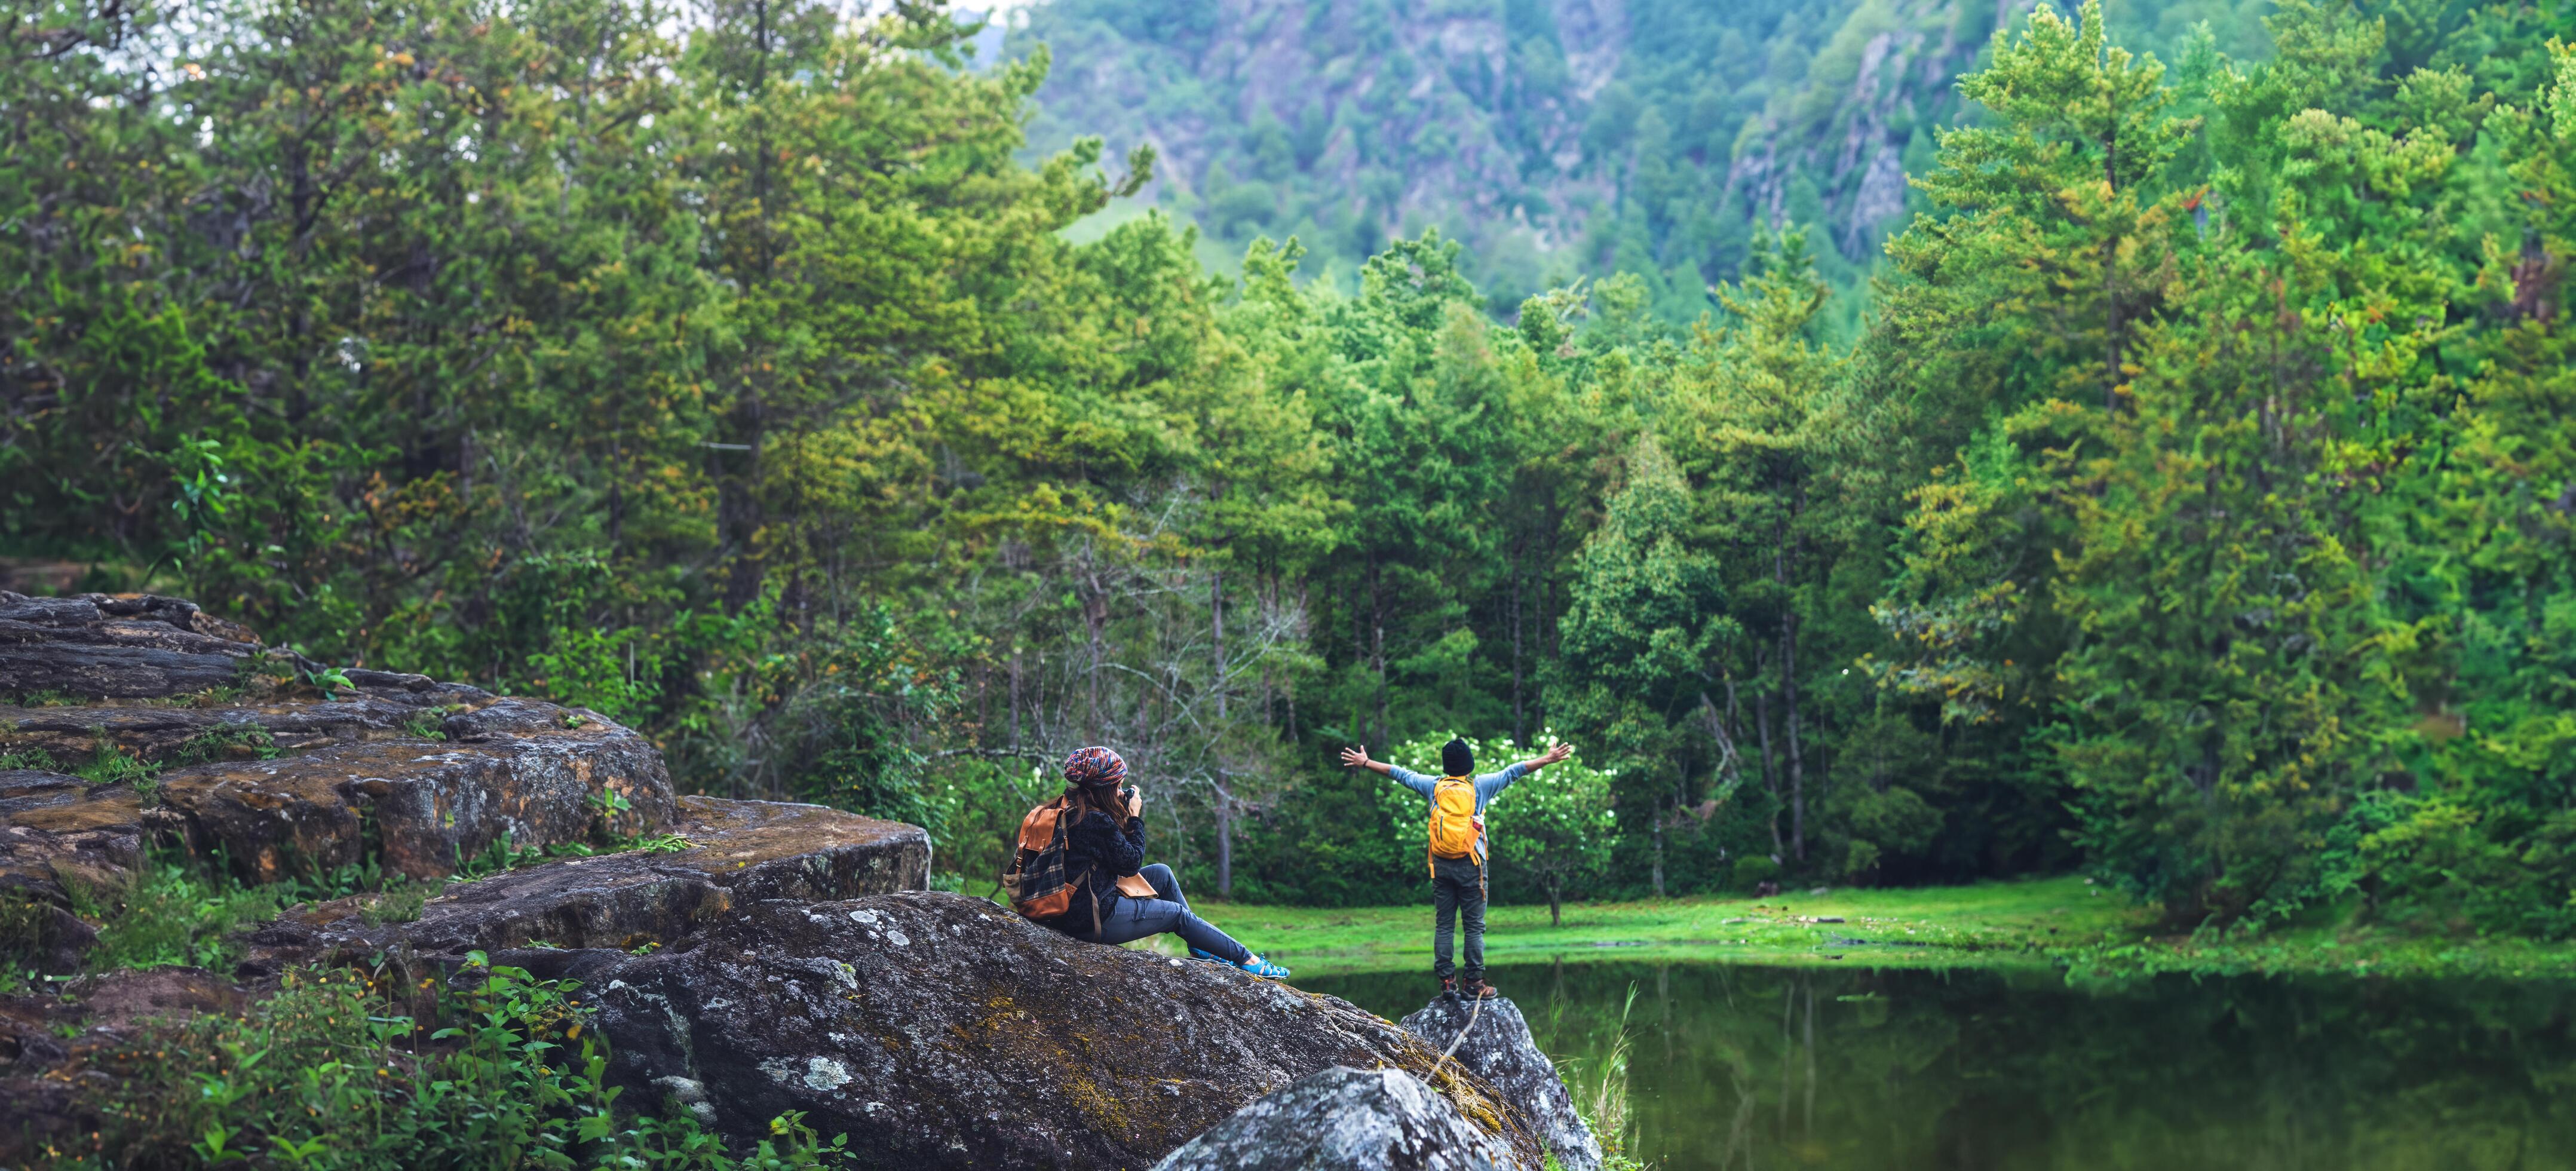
x: 1645, y: 624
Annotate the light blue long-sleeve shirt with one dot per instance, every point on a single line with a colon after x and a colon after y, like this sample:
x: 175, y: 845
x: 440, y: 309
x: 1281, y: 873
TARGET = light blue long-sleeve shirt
x: 1486, y: 786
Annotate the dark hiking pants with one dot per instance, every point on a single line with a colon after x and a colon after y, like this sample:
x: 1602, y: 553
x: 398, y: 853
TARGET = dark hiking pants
x: 1457, y: 892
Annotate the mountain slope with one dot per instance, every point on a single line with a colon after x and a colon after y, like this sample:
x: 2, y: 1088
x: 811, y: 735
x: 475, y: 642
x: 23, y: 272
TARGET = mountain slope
x: 1558, y: 138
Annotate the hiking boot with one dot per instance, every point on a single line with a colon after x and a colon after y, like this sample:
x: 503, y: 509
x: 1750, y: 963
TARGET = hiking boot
x: 1449, y: 987
x: 1263, y: 968
x: 1475, y: 988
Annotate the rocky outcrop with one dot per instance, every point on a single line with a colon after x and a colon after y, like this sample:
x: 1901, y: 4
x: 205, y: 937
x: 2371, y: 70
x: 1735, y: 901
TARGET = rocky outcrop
x: 232, y: 750
x: 729, y: 854
x: 101, y: 646
x: 533, y: 775
x: 939, y: 1031
x: 1344, y: 1119
x: 1499, y: 1049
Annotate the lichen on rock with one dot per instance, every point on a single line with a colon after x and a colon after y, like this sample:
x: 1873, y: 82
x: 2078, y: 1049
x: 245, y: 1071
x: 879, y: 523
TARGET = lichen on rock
x: 979, y: 1039
x: 1499, y: 1049
x: 1344, y: 1119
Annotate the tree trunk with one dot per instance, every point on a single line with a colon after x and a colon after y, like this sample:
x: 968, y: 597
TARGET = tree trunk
x: 1770, y: 768
x: 1784, y: 570
x: 1216, y: 639
x: 1095, y: 614
x: 1520, y: 723
x: 1377, y: 645
x: 1224, y: 844
x: 1797, y: 760
x: 1659, y: 853
x: 2111, y: 310
x: 1554, y: 918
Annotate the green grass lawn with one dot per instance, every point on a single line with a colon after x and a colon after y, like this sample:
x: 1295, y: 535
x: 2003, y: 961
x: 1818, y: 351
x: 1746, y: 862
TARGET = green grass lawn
x: 1986, y: 924
x: 2049, y: 922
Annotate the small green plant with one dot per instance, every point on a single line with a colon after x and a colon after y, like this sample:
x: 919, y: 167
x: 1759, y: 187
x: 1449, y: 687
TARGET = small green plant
x: 220, y: 695
x: 498, y: 855
x: 110, y: 764
x: 659, y: 844
x: 401, y: 903
x: 34, y: 758
x: 225, y: 742
x: 608, y: 805
x: 330, y: 681
x: 573, y: 720
x: 426, y: 724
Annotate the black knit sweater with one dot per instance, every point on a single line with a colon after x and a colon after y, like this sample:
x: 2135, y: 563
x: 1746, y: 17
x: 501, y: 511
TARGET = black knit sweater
x: 1110, y: 852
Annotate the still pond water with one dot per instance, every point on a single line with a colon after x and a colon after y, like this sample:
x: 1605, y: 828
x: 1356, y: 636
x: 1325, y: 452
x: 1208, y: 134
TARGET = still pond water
x: 1749, y: 1068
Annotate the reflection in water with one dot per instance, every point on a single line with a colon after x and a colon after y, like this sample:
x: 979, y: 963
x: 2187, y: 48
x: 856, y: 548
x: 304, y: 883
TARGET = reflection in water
x: 1756, y: 1068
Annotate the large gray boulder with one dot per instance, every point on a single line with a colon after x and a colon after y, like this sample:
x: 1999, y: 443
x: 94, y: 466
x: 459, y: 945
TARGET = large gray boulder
x: 1499, y: 1050
x: 1344, y: 1119
x: 942, y: 1031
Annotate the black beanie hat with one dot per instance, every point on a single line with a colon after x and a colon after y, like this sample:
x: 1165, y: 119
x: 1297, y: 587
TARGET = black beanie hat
x: 1456, y: 758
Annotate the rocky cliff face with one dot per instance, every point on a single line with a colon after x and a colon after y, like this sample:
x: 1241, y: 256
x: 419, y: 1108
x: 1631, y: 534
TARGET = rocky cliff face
x: 1558, y: 137
x: 758, y: 958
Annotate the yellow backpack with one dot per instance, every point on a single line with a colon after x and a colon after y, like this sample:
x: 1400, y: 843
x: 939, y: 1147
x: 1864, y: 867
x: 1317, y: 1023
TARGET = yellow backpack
x: 1456, y: 830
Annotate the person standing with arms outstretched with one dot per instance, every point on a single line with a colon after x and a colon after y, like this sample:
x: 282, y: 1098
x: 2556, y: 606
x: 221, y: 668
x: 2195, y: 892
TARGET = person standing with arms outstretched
x: 1457, y: 848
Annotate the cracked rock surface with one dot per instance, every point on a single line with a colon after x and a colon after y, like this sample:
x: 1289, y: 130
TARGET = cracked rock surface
x: 278, y: 778
x: 1344, y: 1119
x: 738, y: 852
x: 941, y: 1031
x: 1500, y: 1050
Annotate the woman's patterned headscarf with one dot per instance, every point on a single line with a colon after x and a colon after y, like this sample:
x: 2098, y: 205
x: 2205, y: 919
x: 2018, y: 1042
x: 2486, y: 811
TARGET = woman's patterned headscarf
x: 1094, y: 768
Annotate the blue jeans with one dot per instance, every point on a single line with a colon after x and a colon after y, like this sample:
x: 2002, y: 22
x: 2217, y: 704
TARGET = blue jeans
x: 1131, y: 918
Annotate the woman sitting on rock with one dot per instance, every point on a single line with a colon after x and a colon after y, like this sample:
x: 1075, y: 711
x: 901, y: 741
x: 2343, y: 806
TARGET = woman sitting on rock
x: 1077, y: 870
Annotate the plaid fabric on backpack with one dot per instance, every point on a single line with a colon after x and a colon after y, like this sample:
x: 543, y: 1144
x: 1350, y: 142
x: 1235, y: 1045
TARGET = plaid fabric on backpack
x: 1036, y: 881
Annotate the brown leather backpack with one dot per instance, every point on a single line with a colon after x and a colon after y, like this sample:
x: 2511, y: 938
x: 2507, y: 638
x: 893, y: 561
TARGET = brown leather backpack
x: 1035, y: 880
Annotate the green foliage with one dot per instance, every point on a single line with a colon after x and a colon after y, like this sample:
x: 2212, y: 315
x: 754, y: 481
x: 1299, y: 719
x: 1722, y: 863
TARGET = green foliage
x: 335, y: 1071
x: 171, y: 912
x: 2187, y: 497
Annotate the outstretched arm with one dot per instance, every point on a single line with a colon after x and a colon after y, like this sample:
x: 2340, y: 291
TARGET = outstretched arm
x: 1359, y: 758
x: 1489, y: 785
x: 1544, y: 759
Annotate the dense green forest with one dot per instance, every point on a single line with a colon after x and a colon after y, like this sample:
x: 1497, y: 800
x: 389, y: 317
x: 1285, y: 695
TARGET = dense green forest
x: 2189, y: 497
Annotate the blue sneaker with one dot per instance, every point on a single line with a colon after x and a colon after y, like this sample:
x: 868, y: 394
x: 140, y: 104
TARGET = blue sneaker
x: 1204, y: 954
x: 1263, y: 968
